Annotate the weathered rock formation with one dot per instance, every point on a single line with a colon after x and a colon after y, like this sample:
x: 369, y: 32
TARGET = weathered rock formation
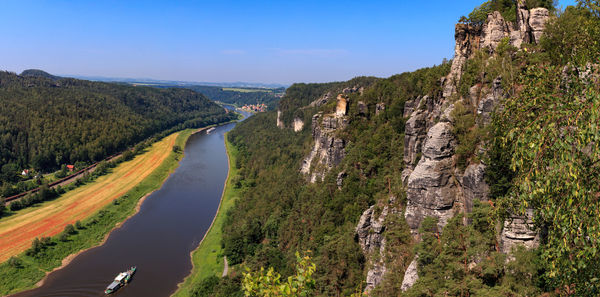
x: 528, y: 29
x: 298, y: 124
x: 434, y: 185
x: 518, y: 230
x: 322, y: 100
x: 328, y: 149
x: 279, y: 121
x: 370, y: 233
x: 411, y: 275
x: 342, y: 106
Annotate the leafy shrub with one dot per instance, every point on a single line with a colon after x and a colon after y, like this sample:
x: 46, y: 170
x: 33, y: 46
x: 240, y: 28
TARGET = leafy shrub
x: 467, y: 134
x: 573, y: 37
x: 70, y: 230
x: 15, y: 262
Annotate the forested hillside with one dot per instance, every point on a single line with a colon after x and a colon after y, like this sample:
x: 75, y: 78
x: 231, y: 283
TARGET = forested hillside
x: 475, y: 177
x: 46, y: 121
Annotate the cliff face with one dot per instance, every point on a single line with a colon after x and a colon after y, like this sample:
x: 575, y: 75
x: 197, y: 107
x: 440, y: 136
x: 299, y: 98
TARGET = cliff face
x: 328, y: 149
x: 435, y: 186
x: 370, y: 230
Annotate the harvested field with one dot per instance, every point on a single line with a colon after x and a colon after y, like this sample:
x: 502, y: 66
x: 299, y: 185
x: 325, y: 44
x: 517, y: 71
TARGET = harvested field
x: 50, y: 218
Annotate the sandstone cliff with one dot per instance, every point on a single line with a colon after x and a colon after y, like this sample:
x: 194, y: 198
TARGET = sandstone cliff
x: 328, y: 149
x: 434, y: 184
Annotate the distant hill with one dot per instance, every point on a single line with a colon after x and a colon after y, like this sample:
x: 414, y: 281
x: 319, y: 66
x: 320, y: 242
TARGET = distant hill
x: 242, y: 96
x: 150, y: 81
x: 39, y: 73
x: 47, y: 121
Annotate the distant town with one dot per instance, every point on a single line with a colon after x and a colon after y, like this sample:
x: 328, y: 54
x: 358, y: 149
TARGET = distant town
x: 255, y: 107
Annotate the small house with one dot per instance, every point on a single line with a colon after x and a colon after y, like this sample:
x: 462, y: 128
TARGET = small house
x: 70, y: 167
x: 25, y: 172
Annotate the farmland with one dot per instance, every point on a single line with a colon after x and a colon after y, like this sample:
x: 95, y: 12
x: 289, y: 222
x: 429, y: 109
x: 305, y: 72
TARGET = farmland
x: 48, y: 219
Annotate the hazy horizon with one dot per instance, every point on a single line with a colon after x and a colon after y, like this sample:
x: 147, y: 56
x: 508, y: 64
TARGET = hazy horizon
x: 229, y: 41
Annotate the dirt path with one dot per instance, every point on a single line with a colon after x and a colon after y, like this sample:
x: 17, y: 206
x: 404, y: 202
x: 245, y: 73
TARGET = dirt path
x: 225, y: 267
x: 50, y: 218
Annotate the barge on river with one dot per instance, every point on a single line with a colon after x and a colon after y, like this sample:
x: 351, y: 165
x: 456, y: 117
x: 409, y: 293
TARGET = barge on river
x: 121, y: 280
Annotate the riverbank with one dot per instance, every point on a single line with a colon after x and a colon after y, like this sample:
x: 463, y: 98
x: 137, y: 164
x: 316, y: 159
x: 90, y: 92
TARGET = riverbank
x: 207, y: 259
x: 26, y: 270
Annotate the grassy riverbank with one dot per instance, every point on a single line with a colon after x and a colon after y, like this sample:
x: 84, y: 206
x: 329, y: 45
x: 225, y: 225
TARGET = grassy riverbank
x: 27, y: 268
x: 208, y: 257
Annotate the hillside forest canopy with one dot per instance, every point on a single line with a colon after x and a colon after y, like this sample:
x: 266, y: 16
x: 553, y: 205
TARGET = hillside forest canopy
x: 47, y: 121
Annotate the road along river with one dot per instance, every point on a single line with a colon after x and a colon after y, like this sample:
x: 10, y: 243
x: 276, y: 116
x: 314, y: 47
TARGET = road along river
x: 159, y: 238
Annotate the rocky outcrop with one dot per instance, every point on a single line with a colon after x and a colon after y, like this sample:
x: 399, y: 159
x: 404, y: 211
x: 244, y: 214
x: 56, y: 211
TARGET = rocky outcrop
x: 494, y: 30
x: 528, y: 29
x: 370, y: 234
x: 434, y: 185
x: 328, y: 149
x: 474, y: 186
x: 322, y: 100
x: 298, y: 124
x: 342, y: 106
x: 279, y: 121
x: 518, y: 230
x: 468, y: 39
x: 370, y: 229
x: 487, y: 104
x: 537, y: 22
x: 431, y: 187
x: 411, y: 275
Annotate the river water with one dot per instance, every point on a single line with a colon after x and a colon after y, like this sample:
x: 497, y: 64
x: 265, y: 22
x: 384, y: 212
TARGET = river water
x: 158, y: 239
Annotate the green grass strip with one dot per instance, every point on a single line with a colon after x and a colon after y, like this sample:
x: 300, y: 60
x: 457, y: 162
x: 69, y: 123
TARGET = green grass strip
x: 208, y: 257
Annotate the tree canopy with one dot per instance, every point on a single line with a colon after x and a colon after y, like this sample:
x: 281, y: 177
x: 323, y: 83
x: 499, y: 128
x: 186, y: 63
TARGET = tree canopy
x: 46, y: 122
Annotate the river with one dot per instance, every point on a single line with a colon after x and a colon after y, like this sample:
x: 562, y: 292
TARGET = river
x: 159, y: 238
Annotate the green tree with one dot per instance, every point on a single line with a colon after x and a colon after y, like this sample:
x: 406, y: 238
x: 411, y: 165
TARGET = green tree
x: 574, y: 36
x: 14, y: 262
x: 552, y: 129
x: 62, y: 172
x: 269, y: 283
x: 69, y: 229
x: 592, y: 5
x: 2, y: 206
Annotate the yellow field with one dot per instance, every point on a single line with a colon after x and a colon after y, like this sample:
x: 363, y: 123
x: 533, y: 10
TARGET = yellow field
x: 50, y: 218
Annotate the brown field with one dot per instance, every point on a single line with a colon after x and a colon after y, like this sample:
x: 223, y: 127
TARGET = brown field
x: 50, y: 218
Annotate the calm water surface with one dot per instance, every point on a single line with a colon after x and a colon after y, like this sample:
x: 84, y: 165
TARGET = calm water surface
x: 159, y: 239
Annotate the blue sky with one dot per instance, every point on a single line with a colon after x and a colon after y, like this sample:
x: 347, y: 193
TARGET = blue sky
x: 227, y: 41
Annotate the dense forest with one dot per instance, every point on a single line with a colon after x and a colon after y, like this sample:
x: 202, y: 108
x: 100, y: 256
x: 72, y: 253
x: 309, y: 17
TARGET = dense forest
x: 541, y: 148
x: 47, y: 121
x: 281, y: 214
